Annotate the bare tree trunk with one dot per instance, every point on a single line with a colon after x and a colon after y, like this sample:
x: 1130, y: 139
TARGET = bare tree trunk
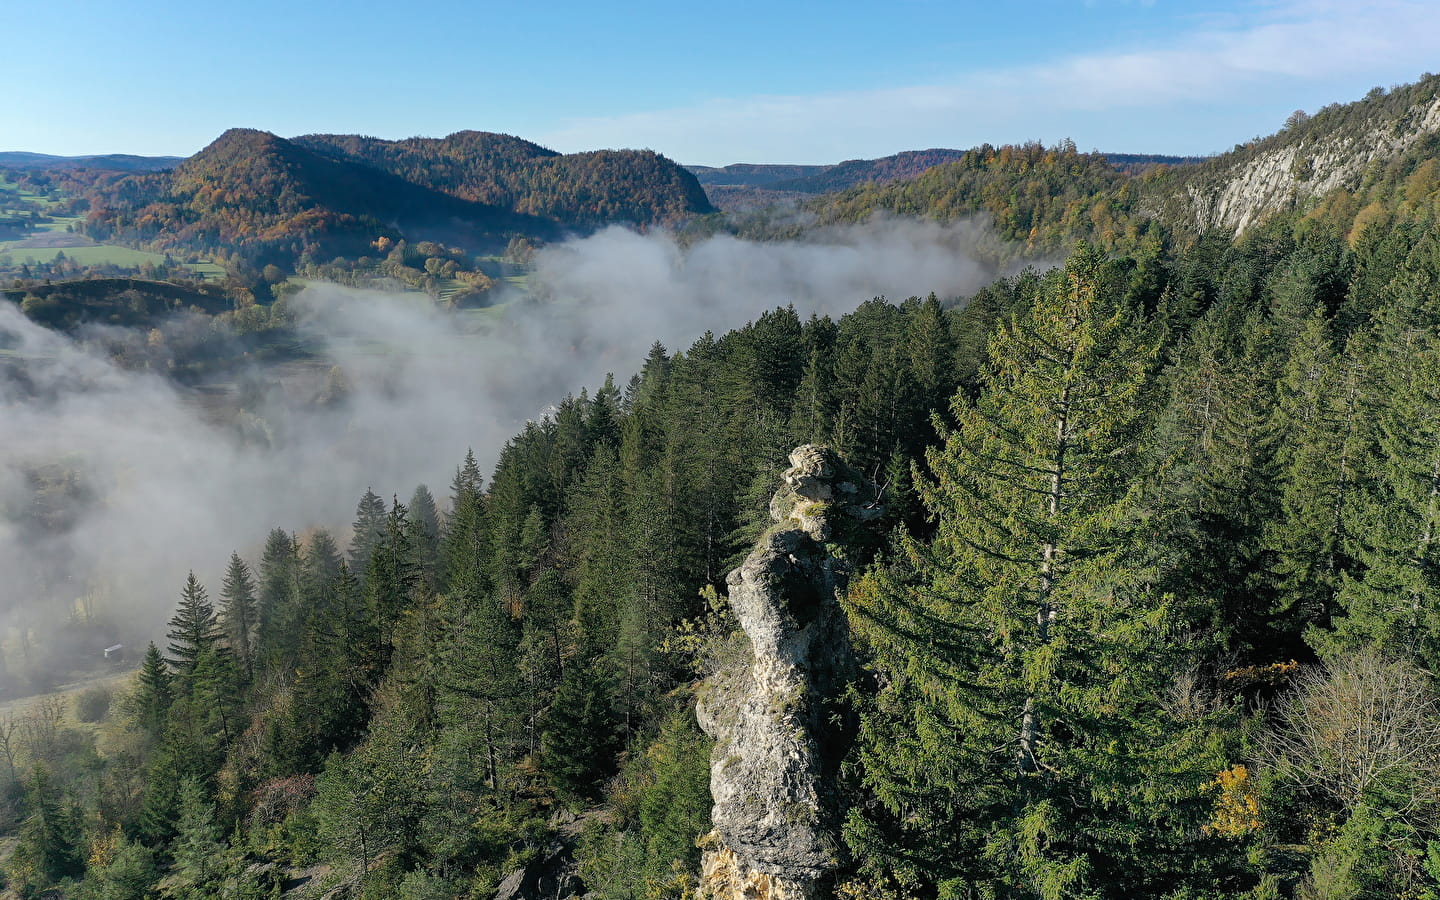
x: 1045, y: 612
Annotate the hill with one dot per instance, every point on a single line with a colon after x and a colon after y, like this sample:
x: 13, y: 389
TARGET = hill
x: 268, y: 200
x: 852, y: 172
x: 1374, y: 160
x: 1041, y: 197
x: 752, y: 174
x: 860, y: 171
x: 263, y: 199
x: 1353, y: 154
x: 129, y: 302
x: 118, y: 162
x: 573, y: 190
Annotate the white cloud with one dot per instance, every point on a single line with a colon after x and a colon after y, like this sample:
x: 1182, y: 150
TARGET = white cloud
x: 1264, y: 58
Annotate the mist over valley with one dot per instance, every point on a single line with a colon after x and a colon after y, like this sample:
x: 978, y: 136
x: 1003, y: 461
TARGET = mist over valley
x: 442, y: 517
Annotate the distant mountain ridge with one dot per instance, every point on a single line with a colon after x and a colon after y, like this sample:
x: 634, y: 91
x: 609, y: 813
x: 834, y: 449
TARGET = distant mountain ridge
x: 840, y: 176
x: 576, y: 189
x: 752, y: 174
x: 269, y: 199
x: 1375, y: 161
x: 117, y: 162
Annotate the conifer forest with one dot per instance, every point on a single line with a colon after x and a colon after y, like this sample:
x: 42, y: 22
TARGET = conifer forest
x: 1115, y: 577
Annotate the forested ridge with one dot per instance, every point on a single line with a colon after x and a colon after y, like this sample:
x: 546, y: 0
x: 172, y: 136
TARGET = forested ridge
x: 272, y: 201
x: 1153, y: 609
x: 1352, y: 165
x: 1151, y: 613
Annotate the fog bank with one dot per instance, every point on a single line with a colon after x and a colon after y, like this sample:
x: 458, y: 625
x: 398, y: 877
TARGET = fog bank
x: 114, y: 483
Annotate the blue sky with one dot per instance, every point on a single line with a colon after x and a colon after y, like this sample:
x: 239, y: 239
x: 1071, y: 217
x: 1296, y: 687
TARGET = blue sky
x: 711, y: 84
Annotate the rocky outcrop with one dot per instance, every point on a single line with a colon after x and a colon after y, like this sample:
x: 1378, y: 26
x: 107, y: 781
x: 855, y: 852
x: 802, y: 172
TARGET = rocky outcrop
x: 554, y: 875
x: 1290, y: 173
x: 777, y: 746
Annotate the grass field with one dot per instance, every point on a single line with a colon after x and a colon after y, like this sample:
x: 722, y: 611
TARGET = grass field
x: 99, y: 255
x: 207, y: 270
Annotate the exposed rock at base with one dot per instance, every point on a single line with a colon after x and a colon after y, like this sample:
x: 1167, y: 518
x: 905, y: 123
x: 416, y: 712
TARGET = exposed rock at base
x: 777, y: 747
x: 553, y: 876
x: 723, y: 876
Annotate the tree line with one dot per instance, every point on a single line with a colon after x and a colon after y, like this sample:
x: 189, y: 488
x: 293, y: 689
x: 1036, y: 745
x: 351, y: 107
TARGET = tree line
x: 1152, y: 613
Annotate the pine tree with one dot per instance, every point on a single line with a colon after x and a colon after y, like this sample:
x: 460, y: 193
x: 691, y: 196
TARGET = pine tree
x: 194, y: 628
x: 238, y: 611
x: 321, y: 564
x: 1014, y: 745
x: 155, y: 823
x: 1318, y: 410
x: 367, y: 531
x: 1394, y: 598
x: 463, y: 546
x: 215, y: 695
x: 154, y: 693
x: 49, y: 844
x: 581, y: 730
x: 279, y: 600
x: 198, y: 847
x: 425, y: 536
x: 481, y: 690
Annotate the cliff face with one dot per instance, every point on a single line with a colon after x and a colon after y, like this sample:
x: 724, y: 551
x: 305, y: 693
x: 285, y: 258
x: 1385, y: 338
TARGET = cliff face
x: 1238, y: 190
x: 777, y: 750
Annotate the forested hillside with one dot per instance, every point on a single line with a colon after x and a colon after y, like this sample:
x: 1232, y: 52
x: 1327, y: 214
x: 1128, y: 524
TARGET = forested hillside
x: 1156, y: 546
x: 1040, y: 197
x: 637, y: 187
x: 115, y: 162
x: 1127, y: 569
x: 1350, y: 164
x: 269, y: 201
x: 266, y: 200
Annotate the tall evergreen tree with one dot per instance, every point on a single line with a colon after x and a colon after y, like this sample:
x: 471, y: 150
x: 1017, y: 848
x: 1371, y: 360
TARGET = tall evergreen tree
x: 1318, y: 409
x: 1021, y: 652
x: 1394, y: 598
x: 154, y: 693
x: 581, y: 732
x: 367, y: 531
x: 49, y: 840
x: 425, y: 536
x: 279, y: 598
x: 194, y: 628
x: 239, y: 611
x: 198, y: 848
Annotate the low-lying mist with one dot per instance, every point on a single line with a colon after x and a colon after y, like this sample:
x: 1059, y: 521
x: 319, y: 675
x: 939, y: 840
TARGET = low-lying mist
x: 115, y: 482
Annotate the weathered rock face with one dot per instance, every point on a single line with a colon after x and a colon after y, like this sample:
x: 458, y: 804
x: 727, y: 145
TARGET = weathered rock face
x: 1287, y: 176
x: 772, y: 772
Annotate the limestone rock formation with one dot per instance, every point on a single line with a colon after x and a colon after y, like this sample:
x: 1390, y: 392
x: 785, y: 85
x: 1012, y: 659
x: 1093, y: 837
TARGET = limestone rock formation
x: 772, y: 772
x: 1288, y: 174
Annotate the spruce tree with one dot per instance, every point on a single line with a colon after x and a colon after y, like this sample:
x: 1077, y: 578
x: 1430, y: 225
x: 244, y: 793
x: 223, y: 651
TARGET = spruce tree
x: 424, y: 536
x: 481, y: 689
x: 463, y: 546
x: 279, y: 598
x: 194, y: 628
x: 581, y: 730
x: 49, y: 840
x: 239, y: 611
x: 154, y: 693
x: 1393, y: 599
x: 367, y: 531
x: 391, y: 578
x: 198, y: 847
x: 1014, y: 746
x: 1318, y: 410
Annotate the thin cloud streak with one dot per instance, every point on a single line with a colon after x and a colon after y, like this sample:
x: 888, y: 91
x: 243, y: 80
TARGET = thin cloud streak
x: 1282, y: 49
